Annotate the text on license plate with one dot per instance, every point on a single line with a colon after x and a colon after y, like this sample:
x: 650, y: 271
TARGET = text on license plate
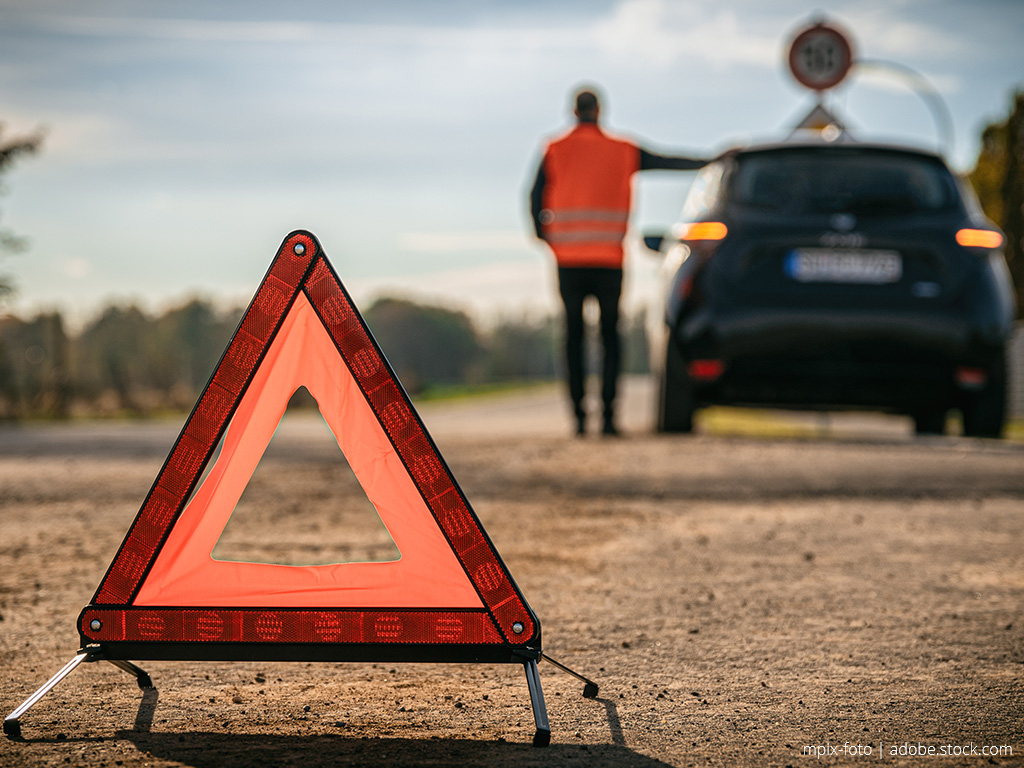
x: 834, y: 265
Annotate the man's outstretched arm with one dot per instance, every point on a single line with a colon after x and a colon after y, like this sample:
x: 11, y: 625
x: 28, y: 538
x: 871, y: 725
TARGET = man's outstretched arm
x: 651, y: 161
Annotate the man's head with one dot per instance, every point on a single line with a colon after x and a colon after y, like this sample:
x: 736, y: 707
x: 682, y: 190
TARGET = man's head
x: 588, y: 107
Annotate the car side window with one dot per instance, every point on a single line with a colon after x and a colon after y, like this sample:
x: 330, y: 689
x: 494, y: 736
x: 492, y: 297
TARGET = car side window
x: 704, y: 192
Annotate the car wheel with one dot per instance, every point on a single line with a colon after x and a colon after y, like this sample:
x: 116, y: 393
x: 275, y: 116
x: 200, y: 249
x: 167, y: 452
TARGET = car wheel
x: 675, y: 412
x: 985, y: 411
x: 930, y: 422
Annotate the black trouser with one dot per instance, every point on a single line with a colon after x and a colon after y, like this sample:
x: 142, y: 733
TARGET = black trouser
x: 604, y: 284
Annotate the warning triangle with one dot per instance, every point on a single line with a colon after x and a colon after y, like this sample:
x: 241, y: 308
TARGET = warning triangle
x: 447, y: 597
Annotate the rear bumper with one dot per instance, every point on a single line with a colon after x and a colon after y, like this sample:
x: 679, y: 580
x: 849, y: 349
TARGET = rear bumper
x: 832, y: 384
x: 894, y: 361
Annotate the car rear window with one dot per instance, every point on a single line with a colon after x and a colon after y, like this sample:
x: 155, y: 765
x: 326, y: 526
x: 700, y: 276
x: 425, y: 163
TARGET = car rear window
x: 832, y: 181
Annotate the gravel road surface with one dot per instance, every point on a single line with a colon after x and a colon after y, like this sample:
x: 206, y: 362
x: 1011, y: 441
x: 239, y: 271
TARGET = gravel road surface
x: 740, y: 595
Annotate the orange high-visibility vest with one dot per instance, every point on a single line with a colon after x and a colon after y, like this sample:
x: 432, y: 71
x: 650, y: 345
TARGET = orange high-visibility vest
x: 587, y: 194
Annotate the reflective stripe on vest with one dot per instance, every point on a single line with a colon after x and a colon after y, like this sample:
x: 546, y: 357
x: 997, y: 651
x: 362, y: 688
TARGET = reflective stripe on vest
x: 567, y: 215
x: 586, y: 236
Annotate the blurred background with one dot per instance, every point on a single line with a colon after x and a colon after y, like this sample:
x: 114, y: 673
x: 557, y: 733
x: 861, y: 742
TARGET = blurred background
x: 157, y: 153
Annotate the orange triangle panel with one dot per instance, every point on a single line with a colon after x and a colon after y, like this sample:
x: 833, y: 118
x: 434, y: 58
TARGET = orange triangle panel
x: 449, y: 588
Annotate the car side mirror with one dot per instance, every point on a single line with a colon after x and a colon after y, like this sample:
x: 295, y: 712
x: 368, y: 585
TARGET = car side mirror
x: 654, y: 242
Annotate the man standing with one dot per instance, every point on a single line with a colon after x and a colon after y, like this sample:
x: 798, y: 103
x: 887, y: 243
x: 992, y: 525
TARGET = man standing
x: 580, y: 202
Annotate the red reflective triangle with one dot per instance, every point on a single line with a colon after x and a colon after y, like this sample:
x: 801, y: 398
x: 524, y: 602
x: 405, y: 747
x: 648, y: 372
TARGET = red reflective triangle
x: 449, y: 586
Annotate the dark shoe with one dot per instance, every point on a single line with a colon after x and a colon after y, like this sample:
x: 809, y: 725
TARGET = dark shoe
x: 608, y: 415
x: 581, y: 425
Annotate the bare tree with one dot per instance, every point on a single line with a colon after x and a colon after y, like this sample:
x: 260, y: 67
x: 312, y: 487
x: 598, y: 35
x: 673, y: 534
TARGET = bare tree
x: 11, y: 149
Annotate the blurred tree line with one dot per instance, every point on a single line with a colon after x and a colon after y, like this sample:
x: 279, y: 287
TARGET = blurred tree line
x: 998, y: 180
x: 124, y: 361
x: 129, y: 362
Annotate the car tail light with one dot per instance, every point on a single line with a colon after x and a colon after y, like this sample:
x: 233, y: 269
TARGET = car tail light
x: 698, y: 242
x: 705, y: 370
x: 684, y: 288
x: 971, y: 378
x: 979, y: 238
x: 703, y: 230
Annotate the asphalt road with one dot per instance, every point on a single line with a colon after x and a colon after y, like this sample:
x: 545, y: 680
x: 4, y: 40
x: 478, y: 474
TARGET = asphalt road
x: 539, y: 412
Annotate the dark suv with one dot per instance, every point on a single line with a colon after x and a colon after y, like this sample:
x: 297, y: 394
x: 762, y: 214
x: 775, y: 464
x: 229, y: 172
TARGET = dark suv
x: 820, y: 275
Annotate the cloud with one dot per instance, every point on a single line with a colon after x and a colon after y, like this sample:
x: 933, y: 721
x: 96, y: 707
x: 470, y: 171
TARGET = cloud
x: 322, y: 32
x: 657, y: 32
x: 661, y: 32
x: 97, y: 137
x: 887, y: 76
x: 198, y: 30
x: 880, y: 30
x: 435, y: 242
x: 76, y: 267
x: 483, y: 290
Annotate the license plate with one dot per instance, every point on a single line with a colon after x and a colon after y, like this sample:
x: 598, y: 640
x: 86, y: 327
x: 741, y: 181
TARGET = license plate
x: 835, y: 265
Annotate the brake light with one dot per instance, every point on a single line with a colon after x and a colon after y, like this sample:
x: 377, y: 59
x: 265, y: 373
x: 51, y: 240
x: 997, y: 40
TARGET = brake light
x: 705, y: 370
x: 979, y: 238
x: 704, y: 230
x: 971, y: 378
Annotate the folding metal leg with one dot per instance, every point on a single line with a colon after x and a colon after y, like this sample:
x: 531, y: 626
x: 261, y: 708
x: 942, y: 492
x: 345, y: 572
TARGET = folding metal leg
x: 141, y: 676
x: 590, y: 688
x: 542, y: 736
x: 12, y: 723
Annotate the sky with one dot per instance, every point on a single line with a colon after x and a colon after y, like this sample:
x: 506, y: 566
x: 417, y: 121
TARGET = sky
x: 185, y: 139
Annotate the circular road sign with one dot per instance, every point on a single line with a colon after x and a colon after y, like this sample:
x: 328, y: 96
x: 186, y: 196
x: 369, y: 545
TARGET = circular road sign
x: 820, y: 57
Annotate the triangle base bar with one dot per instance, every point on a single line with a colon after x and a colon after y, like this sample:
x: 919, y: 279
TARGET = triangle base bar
x: 333, y: 652
x: 339, y: 628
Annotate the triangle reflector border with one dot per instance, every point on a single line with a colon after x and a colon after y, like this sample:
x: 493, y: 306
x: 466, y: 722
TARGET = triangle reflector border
x: 503, y: 629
